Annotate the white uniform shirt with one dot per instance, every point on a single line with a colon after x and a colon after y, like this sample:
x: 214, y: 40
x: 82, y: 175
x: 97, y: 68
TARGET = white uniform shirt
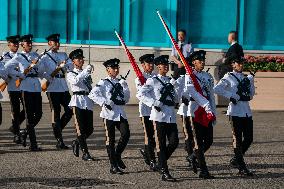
x: 22, y: 61
x: 206, y: 83
x: 144, y: 110
x: 11, y: 80
x: 150, y: 94
x: 77, y: 84
x: 101, y: 94
x: 3, y: 75
x: 56, y: 84
x: 187, y: 49
x: 227, y: 87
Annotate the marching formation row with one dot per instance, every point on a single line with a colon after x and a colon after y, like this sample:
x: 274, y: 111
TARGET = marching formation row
x: 159, y: 95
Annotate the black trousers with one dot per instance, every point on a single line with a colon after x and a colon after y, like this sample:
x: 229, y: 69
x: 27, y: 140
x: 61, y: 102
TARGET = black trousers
x: 188, y: 135
x: 83, y: 122
x: 164, y: 131
x: 56, y: 100
x: 149, y: 132
x: 203, y: 139
x: 33, y: 109
x: 114, y: 153
x: 242, y: 129
x: 18, y: 115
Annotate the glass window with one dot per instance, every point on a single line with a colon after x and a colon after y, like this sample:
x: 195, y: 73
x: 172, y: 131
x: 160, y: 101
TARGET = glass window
x: 47, y: 17
x: 207, y: 21
x: 143, y: 26
x: 263, y: 24
x: 104, y: 18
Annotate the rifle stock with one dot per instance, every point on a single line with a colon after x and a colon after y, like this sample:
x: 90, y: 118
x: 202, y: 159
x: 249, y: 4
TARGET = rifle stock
x: 28, y: 69
x: 45, y: 85
x: 3, y: 86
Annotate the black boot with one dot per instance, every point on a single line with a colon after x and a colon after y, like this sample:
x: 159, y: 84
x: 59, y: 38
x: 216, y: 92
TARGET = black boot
x: 234, y: 162
x: 60, y: 144
x: 17, y: 139
x: 166, y: 175
x: 119, y: 162
x: 145, y: 157
x: 83, y: 145
x: 243, y: 170
x: 86, y: 156
x: 58, y: 135
x: 114, y: 169
x: 205, y: 175
x: 193, y: 162
x: 24, y: 135
x: 75, y: 147
x: 153, y: 165
x: 31, y: 132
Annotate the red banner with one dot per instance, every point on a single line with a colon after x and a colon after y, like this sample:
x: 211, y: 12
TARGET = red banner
x: 201, y: 116
x: 137, y: 70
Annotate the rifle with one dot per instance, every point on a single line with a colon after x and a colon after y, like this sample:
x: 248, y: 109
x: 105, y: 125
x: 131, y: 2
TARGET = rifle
x: 45, y: 85
x: 200, y: 115
x: 29, y: 68
x: 137, y: 70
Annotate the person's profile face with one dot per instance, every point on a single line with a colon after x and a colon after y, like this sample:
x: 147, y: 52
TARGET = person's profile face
x: 199, y: 64
x: 27, y: 46
x: 148, y: 67
x: 13, y: 46
x: 54, y: 44
x: 113, y: 71
x: 163, y: 68
x: 78, y: 62
x: 238, y: 67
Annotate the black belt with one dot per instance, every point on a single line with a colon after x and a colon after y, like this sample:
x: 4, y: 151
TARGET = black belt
x: 32, y: 75
x: 59, y: 76
x: 81, y: 93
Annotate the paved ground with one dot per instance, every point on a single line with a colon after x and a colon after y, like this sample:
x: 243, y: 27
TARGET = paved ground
x: 61, y: 169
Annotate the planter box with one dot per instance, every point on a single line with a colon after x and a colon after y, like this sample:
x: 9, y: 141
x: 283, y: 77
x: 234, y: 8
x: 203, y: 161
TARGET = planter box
x: 269, y: 91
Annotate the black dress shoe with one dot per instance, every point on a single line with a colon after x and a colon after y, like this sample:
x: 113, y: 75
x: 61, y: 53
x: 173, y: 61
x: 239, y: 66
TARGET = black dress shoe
x: 143, y: 153
x: 167, y: 177
x: 153, y: 166
x: 120, y: 163
x: 234, y: 162
x: 87, y: 157
x: 205, y: 175
x: 245, y: 172
x: 75, y: 147
x: 35, y: 149
x: 17, y: 139
x: 115, y: 170
x: 60, y: 145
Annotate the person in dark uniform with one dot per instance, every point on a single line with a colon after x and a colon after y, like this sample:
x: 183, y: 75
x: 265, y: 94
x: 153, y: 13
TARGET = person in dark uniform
x: 159, y: 92
x: 235, y: 49
x: 112, y: 94
x: 148, y: 153
x: 57, y: 91
x: 186, y: 49
x: 239, y: 89
x: 30, y: 87
x: 15, y: 95
x: 81, y: 84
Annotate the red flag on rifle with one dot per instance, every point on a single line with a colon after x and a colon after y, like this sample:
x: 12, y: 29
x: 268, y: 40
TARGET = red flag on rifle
x: 201, y: 116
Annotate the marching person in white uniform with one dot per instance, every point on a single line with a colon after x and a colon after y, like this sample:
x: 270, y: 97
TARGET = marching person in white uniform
x: 80, y: 81
x: 112, y: 94
x: 147, y: 61
x: 239, y: 88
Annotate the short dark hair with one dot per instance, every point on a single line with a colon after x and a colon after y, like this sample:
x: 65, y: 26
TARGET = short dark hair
x: 183, y: 31
x: 235, y: 33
